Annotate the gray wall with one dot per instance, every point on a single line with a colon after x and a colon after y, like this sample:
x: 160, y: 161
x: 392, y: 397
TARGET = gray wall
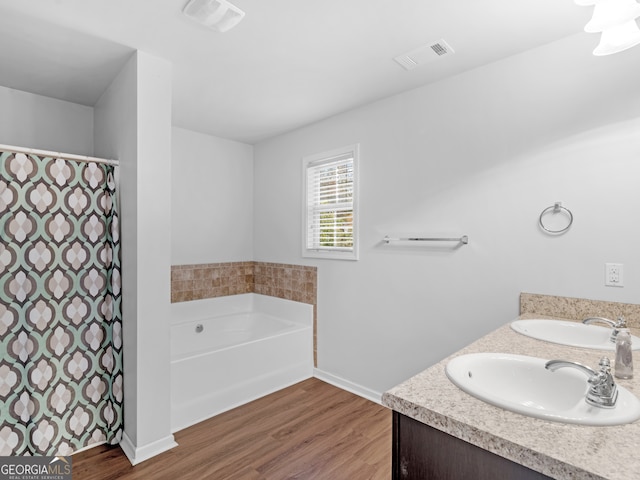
x: 212, y: 199
x: 34, y: 121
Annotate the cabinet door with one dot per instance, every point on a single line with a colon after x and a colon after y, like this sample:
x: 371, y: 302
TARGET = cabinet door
x: 421, y: 452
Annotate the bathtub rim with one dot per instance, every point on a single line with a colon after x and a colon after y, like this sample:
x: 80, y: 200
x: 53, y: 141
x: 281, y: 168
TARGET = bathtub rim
x: 297, y: 312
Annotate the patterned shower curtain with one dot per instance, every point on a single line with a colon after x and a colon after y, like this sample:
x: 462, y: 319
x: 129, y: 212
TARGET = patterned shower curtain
x: 60, y: 320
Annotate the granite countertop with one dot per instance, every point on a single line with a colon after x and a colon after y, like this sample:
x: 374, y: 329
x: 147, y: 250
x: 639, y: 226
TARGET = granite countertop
x: 557, y: 450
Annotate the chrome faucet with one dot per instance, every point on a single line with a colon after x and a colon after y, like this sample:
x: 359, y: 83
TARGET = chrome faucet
x: 616, y: 326
x: 603, y: 391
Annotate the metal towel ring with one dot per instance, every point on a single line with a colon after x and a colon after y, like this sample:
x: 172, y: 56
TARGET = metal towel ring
x: 556, y: 208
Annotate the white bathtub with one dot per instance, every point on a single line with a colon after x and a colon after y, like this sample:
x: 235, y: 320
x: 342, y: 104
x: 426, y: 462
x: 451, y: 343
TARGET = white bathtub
x: 228, y: 351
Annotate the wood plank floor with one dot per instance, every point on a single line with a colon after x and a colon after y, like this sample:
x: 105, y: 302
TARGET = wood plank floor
x: 311, y: 430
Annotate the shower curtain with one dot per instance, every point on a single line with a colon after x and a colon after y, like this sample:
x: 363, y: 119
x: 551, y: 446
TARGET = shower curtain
x: 60, y: 320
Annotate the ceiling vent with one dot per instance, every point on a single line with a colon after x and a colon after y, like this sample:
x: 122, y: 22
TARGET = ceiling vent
x: 425, y: 54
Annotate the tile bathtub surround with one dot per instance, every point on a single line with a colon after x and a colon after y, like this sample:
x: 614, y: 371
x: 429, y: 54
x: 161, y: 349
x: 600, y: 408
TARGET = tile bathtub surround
x: 578, y: 308
x: 195, y: 282
x: 291, y: 282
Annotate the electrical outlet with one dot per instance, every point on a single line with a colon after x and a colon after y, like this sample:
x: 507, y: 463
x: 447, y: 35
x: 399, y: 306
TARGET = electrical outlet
x: 613, y: 275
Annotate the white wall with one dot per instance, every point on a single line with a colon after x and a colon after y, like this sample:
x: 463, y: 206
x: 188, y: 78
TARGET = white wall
x: 116, y: 137
x: 34, y: 121
x: 133, y: 124
x: 212, y: 199
x: 481, y: 154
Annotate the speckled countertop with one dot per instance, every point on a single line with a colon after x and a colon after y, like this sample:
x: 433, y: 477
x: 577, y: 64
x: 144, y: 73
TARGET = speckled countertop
x: 558, y: 450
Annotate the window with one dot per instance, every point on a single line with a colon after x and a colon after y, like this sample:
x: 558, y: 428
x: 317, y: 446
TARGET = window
x: 330, y: 204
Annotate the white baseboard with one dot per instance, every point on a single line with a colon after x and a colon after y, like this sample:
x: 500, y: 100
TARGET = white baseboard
x: 348, y: 386
x: 137, y: 455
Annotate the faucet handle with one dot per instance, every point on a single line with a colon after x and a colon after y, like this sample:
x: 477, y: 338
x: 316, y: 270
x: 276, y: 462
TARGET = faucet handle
x: 603, y: 391
x: 621, y: 323
x: 605, y: 364
x: 600, y: 377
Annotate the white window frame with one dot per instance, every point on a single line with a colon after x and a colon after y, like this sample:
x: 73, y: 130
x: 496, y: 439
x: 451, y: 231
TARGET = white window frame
x: 348, y: 253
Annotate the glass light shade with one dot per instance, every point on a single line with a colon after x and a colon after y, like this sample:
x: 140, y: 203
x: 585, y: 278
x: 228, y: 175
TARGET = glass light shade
x: 610, y: 13
x: 218, y: 15
x: 618, y: 38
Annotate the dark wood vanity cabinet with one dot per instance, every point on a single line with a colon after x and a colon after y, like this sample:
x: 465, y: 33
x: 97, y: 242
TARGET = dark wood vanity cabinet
x: 421, y: 452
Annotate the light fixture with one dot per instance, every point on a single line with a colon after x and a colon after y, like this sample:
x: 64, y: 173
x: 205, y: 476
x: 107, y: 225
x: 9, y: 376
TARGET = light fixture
x: 616, y: 20
x: 610, y: 13
x: 219, y: 15
x: 618, y: 38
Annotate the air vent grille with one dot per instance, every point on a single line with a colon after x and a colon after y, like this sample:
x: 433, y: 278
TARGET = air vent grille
x: 439, y: 49
x: 424, y: 54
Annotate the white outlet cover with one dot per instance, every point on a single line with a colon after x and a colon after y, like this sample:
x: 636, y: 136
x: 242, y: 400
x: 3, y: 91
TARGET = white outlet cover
x: 613, y: 275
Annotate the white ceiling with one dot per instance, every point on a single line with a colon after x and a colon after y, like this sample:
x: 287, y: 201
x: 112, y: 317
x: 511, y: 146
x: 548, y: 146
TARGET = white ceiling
x: 287, y: 64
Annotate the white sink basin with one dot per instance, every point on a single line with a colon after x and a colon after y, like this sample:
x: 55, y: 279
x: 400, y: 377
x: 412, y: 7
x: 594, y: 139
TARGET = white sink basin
x: 523, y: 385
x: 572, y: 334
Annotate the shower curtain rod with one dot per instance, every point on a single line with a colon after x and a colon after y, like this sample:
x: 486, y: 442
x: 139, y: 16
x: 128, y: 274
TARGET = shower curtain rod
x: 48, y: 153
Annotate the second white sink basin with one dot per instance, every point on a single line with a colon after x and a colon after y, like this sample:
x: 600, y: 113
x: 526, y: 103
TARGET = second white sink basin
x: 523, y: 385
x: 572, y: 334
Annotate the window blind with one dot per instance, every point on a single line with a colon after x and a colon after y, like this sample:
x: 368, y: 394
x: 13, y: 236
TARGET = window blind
x: 330, y: 187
